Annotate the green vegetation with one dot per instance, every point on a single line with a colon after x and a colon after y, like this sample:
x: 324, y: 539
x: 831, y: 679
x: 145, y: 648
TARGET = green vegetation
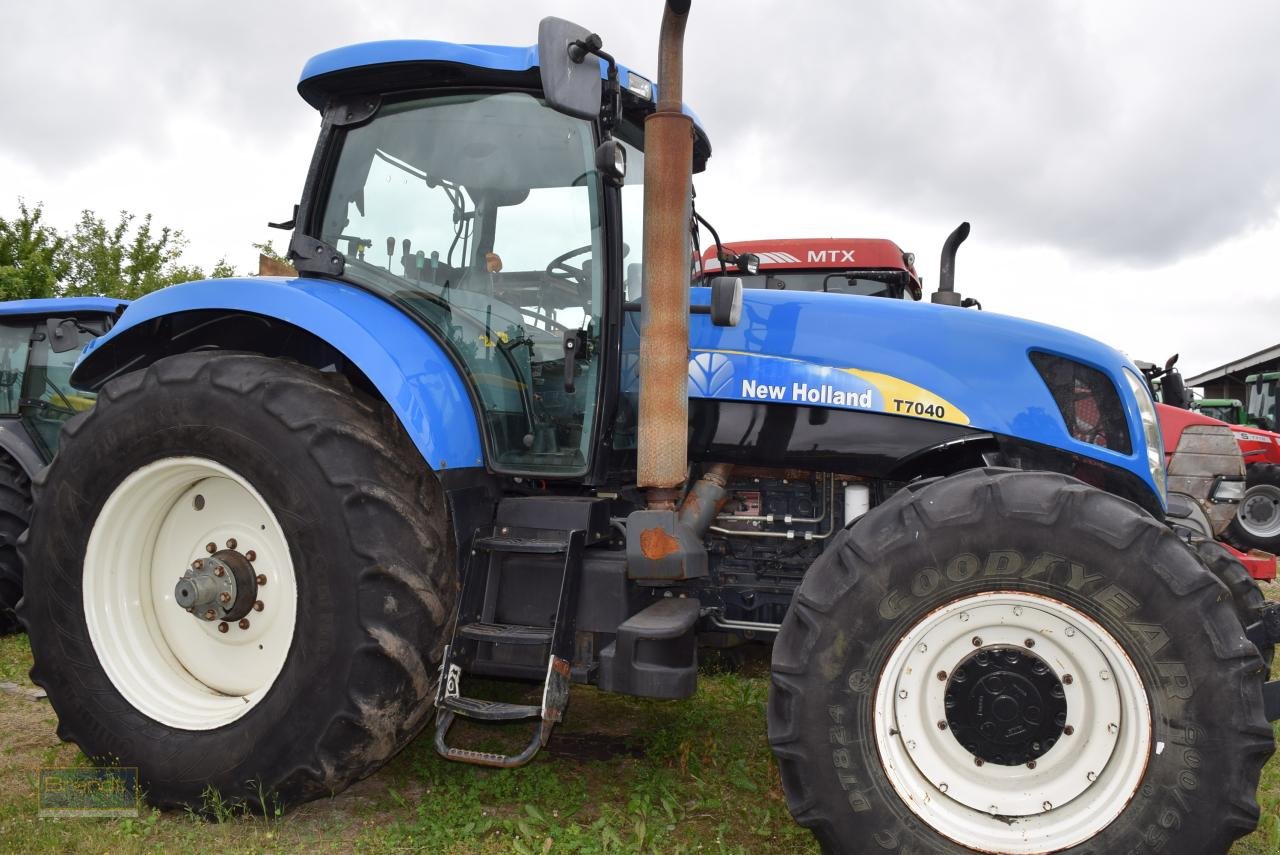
x: 125, y: 259
x: 622, y: 775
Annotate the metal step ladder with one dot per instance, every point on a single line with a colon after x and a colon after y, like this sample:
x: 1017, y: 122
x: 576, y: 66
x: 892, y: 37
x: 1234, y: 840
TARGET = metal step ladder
x: 524, y: 528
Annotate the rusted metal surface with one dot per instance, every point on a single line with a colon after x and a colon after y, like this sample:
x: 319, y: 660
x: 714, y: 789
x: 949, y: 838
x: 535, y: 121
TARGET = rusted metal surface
x: 664, y: 320
x: 268, y: 266
x: 656, y: 544
x: 706, y: 498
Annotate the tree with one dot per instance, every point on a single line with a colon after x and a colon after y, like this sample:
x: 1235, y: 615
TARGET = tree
x: 126, y: 259
x: 108, y: 260
x: 33, y: 257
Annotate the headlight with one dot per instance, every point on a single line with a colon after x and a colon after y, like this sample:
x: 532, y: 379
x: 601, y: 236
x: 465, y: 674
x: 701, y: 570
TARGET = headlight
x: 1150, y: 429
x: 1228, y: 490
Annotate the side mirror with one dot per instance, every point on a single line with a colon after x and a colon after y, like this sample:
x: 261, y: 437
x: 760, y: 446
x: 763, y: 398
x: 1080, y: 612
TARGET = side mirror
x: 748, y: 263
x: 726, y: 301
x: 63, y: 333
x: 611, y: 162
x: 571, y: 86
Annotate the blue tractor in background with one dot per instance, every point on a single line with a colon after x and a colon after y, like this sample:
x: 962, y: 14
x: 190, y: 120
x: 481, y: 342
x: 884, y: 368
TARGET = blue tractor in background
x: 40, y: 341
x: 490, y: 430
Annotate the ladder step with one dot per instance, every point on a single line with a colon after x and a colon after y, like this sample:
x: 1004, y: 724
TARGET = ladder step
x: 490, y: 710
x: 500, y: 543
x: 506, y: 633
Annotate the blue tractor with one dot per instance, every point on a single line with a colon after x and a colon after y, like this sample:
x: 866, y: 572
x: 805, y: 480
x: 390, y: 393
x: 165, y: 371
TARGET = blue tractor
x: 490, y: 430
x: 39, y: 342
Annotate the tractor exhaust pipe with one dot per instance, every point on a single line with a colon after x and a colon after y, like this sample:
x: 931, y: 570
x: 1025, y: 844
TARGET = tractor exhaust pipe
x: 663, y: 437
x: 946, y: 293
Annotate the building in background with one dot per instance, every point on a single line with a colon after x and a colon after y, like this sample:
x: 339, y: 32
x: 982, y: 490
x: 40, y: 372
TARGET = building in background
x: 1228, y: 381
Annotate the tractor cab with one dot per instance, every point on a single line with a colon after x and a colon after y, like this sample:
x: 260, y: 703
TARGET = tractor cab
x: 1229, y: 410
x: 497, y: 213
x: 1262, y: 399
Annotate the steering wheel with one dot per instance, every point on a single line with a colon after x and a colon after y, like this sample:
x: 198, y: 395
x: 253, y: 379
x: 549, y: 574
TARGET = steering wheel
x: 561, y: 269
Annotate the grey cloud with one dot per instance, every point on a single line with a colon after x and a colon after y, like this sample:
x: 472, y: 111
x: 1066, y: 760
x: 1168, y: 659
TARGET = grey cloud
x: 1139, y: 134
x: 1131, y: 132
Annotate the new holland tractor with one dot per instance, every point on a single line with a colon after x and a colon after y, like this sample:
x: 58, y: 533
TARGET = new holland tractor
x: 306, y: 513
x: 39, y: 343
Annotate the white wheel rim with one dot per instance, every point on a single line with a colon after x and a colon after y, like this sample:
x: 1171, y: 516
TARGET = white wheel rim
x: 168, y: 664
x: 1259, y: 512
x: 1076, y: 789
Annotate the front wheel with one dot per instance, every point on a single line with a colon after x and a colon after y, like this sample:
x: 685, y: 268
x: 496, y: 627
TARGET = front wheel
x: 245, y: 573
x: 1015, y: 663
x: 1256, y: 524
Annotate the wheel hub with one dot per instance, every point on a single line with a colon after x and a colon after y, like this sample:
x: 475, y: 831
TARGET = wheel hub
x: 221, y: 587
x: 1260, y: 511
x: 1005, y: 706
x: 1007, y: 720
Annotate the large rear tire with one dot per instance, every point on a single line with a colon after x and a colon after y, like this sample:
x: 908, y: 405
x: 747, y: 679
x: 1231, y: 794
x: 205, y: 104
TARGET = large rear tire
x: 269, y: 466
x: 1256, y: 524
x: 15, y: 513
x: 1014, y: 662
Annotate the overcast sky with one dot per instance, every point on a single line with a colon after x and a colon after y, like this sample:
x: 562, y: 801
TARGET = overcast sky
x: 1120, y: 162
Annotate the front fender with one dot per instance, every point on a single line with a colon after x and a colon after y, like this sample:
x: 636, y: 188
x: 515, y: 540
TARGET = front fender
x: 409, y: 369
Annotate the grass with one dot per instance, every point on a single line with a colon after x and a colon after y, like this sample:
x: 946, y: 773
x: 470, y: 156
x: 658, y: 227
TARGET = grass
x: 623, y: 775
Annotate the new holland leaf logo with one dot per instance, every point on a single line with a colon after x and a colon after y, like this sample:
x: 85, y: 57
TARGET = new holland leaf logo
x: 710, y: 374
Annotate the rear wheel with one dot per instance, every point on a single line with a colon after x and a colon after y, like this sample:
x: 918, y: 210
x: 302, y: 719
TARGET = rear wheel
x: 1015, y: 663
x: 15, y: 513
x: 1257, y: 523
x: 246, y: 571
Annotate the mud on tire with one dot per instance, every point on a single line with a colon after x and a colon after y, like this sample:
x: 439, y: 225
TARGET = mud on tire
x: 1246, y: 596
x: 1039, y: 538
x: 367, y: 531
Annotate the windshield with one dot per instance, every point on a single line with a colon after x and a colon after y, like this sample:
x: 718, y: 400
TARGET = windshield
x: 890, y: 283
x: 1221, y: 412
x: 1262, y: 402
x: 481, y: 215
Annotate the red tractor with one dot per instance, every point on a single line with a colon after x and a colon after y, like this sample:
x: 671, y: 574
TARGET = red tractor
x: 868, y: 266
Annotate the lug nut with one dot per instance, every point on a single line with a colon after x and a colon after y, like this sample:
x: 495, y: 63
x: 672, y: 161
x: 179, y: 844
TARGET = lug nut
x: 942, y: 725
x: 231, y: 543
x: 1030, y: 642
x: 197, y: 564
x: 210, y: 615
x: 978, y: 761
x: 1067, y: 679
x: 251, y: 556
x: 222, y: 627
x: 257, y: 606
x: 1031, y: 764
x: 260, y: 579
x: 211, y: 547
x: 942, y: 675
x: 224, y: 597
x: 1068, y: 730
x: 244, y: 623
x: 219, y: 571
x: 977, y: 642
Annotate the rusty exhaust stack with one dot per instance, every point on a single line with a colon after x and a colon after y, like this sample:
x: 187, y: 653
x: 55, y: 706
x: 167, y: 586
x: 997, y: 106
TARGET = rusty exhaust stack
x: 664, y: 315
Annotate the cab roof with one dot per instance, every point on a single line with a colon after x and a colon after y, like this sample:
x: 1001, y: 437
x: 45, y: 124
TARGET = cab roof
x: 54, y: 306
x: 331, y: 72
